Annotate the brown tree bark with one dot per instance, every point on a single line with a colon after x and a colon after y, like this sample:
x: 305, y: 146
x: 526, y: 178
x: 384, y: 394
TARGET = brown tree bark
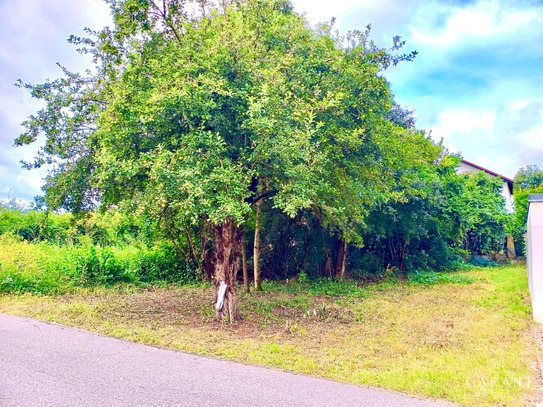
x: 256, y: 247
x: 344, y: 262
x: 246, y: 284
x: 227, y: 253
x: 341, y: 258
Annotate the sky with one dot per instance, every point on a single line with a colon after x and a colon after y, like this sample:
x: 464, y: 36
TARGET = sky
x: 476, y: 83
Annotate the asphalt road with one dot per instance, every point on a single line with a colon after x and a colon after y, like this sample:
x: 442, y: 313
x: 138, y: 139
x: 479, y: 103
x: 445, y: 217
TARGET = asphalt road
x: 44, y: 364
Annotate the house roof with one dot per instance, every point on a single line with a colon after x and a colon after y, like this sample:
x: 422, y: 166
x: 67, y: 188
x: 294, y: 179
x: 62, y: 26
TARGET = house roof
x: 535, y: 198
x: 508, y: 180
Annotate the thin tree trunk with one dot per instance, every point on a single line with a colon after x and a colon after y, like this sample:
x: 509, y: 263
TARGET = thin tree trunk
x: 339, y: 269
x: 175, y: 238
x: 246, y: 284
x: 307, y: 243
x: 256, y: 246
x: 339, y: 258
x: 344, y: 262
x: 402, y: 245
x: 227, y: 252
x: 327, y: 266
x: 207, y: 256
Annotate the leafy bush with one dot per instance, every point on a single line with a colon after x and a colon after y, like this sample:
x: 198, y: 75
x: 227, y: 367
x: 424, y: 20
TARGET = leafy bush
x: 26, y: 267
x: 35, y: 226
x: 163, y: 263
x: 47, y: 268
x: 480, y: 261
x: 105, y: 229
x: 432, y: 277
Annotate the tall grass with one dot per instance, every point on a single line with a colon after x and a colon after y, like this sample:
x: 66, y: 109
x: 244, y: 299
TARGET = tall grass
x: 47, y: 268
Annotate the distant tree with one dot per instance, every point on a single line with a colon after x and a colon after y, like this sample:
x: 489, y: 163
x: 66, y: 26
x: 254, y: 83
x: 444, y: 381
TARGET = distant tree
x: 195, y: 118
x: 529, y: 177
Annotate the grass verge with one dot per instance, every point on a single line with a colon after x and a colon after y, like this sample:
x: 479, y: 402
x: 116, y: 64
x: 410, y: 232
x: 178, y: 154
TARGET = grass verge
x: 465, y: 338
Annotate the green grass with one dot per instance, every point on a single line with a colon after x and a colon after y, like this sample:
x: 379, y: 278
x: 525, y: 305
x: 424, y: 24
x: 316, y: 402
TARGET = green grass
x: 458, y: 336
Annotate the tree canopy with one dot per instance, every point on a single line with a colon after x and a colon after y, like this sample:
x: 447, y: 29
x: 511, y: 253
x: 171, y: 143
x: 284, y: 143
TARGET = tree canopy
x: 196, y: 111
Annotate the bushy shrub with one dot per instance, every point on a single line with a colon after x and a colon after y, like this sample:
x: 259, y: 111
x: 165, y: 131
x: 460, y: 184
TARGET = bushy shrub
x: 27, y: 267
x: 482, y: 261
x: 97, y: 265
x: 47, y: 268
x: 35, y: 226
x: 106, y: 229
x: 163, y: 263
x: 431, y: 278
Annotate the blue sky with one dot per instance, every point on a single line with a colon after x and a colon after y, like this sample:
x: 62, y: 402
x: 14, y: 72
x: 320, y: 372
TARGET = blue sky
x: 477, y: 81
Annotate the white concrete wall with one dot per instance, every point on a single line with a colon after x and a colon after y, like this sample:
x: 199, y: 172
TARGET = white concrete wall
x: 509, y: 200
x: 534, y: 252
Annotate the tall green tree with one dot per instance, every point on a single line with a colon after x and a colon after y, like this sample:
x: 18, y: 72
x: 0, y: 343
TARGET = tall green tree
x: 189, y: 112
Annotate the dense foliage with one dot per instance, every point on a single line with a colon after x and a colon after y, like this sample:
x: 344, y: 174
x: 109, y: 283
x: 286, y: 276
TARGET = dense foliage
x: 528, y: 180
x: 51, y: 269
x: 443, y: 219
x: 208, y: 127
x: 43, y: 252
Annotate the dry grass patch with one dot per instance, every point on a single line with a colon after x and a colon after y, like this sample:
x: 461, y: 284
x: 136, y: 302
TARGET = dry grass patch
x: 461, y: 342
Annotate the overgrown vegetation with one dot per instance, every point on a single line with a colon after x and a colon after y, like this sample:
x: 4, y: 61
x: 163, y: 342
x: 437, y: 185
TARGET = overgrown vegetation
x: 433, y: 230
x: 50, y: 269
x: 463, y: 336
x: 528, y: 180
x: 240, y: 138
x: 218, y: 122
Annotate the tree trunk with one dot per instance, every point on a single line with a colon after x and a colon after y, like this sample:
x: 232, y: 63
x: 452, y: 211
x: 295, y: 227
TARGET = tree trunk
x: 339, y: 258
x: 344, y: 262
x: 246, y: 284
x: 207, y: 254
x: 256, y: 247
x: 227, y: 252
x: 339, y: 269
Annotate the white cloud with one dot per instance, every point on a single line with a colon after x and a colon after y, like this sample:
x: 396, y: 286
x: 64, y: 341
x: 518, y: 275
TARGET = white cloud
x: 452, y: 122
x: 501, y: 138
x: 519, y: 104
x: 532, y: 138
x: 500, y: 163
x: 33, y: 35
x: 323, y: 10
x: 483, y: 22
x: 34, y: 180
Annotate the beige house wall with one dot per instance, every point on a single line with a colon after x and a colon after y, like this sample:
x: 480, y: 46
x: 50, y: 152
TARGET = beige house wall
x: 534, y: 253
